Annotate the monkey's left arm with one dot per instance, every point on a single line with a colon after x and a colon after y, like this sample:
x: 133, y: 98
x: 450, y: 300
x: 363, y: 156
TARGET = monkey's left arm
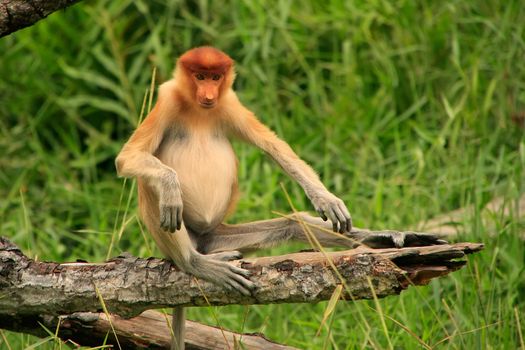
x: 250, y: 129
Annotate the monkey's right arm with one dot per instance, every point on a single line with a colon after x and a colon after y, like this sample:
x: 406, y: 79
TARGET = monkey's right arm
x: 246, y: 126
x: 136, y: 159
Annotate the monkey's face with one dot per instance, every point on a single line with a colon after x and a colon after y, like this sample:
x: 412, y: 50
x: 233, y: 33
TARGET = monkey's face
x: 208, y: 88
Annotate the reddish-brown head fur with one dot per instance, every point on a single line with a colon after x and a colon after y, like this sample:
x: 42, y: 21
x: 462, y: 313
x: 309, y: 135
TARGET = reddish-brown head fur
x: 210, y: 71
x: 206, y: 59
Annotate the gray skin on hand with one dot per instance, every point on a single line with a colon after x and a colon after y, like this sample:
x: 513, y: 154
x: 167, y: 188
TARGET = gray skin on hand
x: 330, y: 207
x: 170, y: 202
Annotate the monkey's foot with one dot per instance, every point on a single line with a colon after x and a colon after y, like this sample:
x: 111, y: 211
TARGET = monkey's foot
x: 394, y: 239
x: 226, y: 256
x: 213, y: 268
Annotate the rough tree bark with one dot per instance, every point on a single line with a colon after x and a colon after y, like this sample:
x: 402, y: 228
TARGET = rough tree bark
x: 18, y: 14
x: 130, y: 285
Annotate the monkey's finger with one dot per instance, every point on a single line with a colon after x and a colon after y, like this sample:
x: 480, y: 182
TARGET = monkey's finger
x: 429, y: 239
x: 228, y: 286
x: 347, y: 216
x: 246, y: 290
x: 321, y: 214
x: 334, y: 226
x: 226, y: 256
x: 173, y: 221
x: 238, y: 287
x: 163, y: 218
x: 349, y: 225
x: 244, y: 281
x: 168, y: 219
x: 240, y: 271
x: 172, y: 217
x: 179, y: 218
x: 240, y: 280
x: 341, y: 218
x: 333, y: 219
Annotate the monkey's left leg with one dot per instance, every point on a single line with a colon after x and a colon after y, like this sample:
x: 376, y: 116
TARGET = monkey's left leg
x: 268, y: 233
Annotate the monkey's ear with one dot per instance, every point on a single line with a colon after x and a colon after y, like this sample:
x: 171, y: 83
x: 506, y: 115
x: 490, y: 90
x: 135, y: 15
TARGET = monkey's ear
x: 229, y: 78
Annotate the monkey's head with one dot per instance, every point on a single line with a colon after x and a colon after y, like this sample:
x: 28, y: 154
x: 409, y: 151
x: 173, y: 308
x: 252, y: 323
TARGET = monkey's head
x: 210, y: 72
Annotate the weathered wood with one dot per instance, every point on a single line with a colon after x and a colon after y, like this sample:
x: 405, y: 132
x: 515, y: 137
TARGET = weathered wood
x: 130, y: 285
x: 18, y: 14
x: 149, y: 330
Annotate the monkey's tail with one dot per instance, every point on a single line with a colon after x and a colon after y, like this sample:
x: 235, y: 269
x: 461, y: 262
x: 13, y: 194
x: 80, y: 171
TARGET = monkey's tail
x: 178, y: 325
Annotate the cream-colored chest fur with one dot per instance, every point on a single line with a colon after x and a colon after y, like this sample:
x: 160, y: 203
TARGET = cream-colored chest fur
x: 206, y: 167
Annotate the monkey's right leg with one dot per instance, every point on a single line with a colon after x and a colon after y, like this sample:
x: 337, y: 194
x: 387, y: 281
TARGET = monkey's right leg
x: 214, y: 268
x: 299, y: 226
x: 179, y: 247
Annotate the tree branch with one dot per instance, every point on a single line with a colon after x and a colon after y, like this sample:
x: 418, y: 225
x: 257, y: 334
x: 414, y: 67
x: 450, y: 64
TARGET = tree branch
x: 18, y: 14
x: 130, y: 285
x: 150, y: 330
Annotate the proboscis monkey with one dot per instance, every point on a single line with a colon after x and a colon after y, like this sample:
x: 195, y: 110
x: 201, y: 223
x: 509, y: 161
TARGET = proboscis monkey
x: 187, y: 179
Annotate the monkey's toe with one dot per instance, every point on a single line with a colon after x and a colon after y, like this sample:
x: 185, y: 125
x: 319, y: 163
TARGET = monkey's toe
x: 416, y: 239
x: 226, y: 256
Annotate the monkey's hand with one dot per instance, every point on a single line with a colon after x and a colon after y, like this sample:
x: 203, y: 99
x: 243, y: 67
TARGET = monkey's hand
x: 330, y: 207
x: 170, y: 202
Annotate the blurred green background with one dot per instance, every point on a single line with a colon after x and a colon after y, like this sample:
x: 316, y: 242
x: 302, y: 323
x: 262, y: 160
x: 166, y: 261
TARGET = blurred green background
x: 406, y: 109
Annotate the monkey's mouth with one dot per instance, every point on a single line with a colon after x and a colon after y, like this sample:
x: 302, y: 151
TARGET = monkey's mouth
x: 207, y: 104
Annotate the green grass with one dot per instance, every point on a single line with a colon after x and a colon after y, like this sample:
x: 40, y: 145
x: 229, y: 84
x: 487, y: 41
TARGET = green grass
x: 406, y: 109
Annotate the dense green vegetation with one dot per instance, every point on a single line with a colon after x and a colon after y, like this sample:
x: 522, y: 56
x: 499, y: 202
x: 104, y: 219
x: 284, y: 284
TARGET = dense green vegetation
x: 406, y: 109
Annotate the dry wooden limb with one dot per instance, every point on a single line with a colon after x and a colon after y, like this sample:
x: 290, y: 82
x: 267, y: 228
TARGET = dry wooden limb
x: 130, y: 285
x: 18, y: 14
x: 149, y: 330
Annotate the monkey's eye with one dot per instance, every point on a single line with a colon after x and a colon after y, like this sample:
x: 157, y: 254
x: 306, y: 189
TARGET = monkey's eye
x: 200, y: 76
x: 216, y: 77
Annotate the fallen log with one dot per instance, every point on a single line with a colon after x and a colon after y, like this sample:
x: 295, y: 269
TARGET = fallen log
x: 128, y: 285
x: 149, y: 330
